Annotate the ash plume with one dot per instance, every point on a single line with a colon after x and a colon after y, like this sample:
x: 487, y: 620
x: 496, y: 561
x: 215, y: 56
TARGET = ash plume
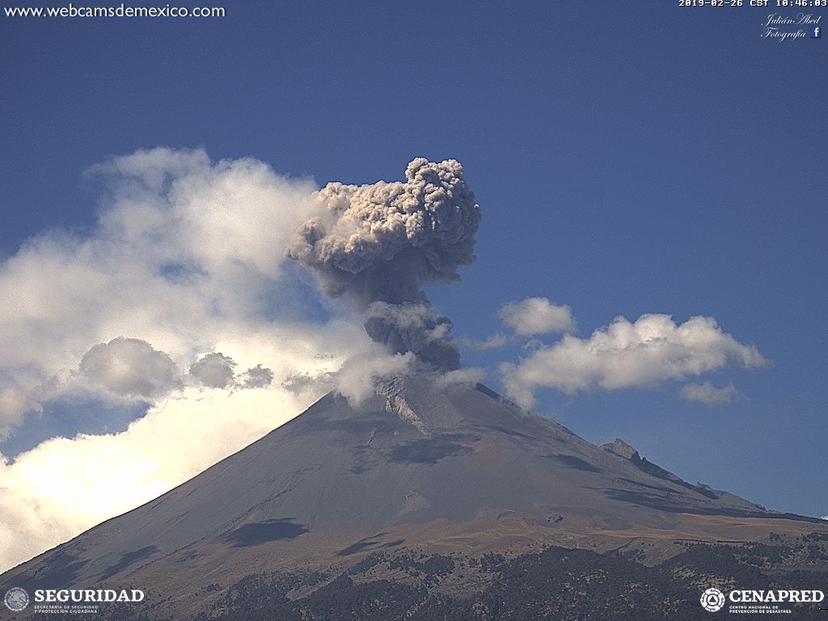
x: 379, y: 243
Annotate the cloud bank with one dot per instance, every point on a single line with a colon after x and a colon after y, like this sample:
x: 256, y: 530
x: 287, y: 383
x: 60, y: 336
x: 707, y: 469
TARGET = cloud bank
x: 179, y: 297
x: 651, y: 350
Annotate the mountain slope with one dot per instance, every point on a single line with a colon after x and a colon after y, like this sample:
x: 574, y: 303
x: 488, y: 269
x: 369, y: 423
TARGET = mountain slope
x: 420, y: 467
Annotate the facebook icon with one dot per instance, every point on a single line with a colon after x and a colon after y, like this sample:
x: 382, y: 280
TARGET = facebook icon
x: 817, y: 32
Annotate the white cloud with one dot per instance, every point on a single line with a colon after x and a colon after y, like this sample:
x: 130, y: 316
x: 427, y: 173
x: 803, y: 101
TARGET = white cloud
x: 708, y: 394
x: 469, y: 375
x: 64, y: 486
x: 185, y: 260
x: 129, y: 368
x: 185, y: 250
x: 214, y: 370
x: 537, y: 316
x: 628, y: 355
x: 257, y: 377
x: 356, y: 377
x: 496, y: 341
x: 14, y: 405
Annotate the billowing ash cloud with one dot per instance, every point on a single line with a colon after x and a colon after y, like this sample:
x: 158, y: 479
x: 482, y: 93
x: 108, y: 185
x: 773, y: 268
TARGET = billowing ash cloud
x: 413, y: 327
x: 380, y: 243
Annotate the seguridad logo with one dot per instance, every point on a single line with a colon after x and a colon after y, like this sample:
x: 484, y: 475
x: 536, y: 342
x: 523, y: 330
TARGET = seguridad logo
x: 88, y: 596
x: 16, y: 599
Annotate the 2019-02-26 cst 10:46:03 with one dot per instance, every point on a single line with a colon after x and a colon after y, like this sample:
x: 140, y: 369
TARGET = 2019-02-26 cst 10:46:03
x: 793, y: 4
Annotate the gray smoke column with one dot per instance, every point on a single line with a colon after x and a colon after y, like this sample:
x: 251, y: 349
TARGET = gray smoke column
x: 380, y: 243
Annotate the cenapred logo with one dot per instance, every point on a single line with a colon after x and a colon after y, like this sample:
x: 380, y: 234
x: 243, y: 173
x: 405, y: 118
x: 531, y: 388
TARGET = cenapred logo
x: 16, y: 599
x: 712, y: 600
x: 749, y: 601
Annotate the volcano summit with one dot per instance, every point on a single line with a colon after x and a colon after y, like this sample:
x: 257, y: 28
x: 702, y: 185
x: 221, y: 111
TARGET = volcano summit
x: 431, y: 500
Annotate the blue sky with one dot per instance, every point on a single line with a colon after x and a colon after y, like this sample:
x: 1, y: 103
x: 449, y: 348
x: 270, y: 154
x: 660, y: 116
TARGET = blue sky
x: 629, y: 158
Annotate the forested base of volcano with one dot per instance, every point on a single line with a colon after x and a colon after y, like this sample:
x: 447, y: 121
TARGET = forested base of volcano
x: 556, y: 583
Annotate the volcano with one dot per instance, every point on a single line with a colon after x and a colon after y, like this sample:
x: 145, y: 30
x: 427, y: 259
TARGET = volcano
x: 431, y: 500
